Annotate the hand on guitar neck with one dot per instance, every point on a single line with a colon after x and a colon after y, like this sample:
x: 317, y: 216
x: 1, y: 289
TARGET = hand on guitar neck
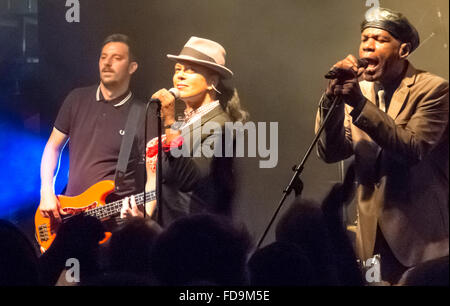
x: 130, y: 209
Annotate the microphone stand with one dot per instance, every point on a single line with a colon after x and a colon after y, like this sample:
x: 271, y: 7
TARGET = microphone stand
x: 296, y: 184
x: 159, y: 164
x: 158, y: 156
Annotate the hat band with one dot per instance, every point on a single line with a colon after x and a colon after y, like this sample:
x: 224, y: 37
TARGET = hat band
x: 400, y: 32
x: 389, y: 26
x: 196, y: 54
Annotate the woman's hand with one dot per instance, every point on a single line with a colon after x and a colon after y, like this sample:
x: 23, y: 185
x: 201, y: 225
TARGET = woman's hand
x: 167, y: 105
x: 129, y: 208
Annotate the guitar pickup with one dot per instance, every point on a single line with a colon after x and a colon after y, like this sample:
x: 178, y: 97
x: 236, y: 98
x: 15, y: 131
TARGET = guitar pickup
x: 43, y: 233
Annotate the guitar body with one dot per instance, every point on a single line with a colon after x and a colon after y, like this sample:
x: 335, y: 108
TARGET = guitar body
x: 93, y: 197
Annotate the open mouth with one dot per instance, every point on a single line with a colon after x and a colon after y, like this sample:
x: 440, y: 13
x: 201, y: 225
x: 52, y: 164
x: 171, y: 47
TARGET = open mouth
x: 181, y: 86
x: 373, y: 64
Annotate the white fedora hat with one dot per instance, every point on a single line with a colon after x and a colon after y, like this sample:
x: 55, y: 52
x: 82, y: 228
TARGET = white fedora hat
x: 204, y: 52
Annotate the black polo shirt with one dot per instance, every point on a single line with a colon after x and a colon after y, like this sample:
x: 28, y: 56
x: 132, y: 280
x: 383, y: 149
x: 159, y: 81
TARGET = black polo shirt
x: 95, y: 127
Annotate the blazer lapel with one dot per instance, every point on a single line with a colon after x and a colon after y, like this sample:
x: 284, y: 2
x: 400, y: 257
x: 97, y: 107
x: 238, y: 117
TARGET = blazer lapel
x: 210, y: 115
x: 368, y: 90
x: 401, y: 94
x: 205, y: 118
x: 191, y: 130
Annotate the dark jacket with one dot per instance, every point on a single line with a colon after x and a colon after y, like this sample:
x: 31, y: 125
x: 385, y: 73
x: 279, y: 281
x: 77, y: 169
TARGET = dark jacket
x: 197, y: 182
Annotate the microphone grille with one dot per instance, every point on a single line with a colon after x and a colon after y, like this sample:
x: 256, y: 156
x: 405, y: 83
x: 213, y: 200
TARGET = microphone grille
x: 175, y: 92
x: 363, y: 63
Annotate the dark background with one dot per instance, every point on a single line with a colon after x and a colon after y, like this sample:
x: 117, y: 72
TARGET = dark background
x: 278, y: 50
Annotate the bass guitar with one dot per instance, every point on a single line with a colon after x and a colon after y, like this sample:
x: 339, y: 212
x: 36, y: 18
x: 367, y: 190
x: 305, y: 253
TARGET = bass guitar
x: 91, y: 203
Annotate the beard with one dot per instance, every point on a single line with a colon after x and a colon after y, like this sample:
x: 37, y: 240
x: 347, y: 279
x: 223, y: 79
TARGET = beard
x: 108, y: 81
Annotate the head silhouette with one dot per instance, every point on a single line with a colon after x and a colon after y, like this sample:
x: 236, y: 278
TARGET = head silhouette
x: 281, y: 264
x: 303, y: 224
x: 201, y: 248
x: 131, y: 245
x: 18, y: 259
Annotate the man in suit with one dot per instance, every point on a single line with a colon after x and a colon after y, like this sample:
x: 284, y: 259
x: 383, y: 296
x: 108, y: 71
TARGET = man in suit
x: 197, y: 176
x: 394, y: 120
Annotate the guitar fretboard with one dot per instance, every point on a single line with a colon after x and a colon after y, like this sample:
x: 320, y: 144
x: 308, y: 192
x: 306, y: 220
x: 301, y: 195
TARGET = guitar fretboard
x: 110, y: 209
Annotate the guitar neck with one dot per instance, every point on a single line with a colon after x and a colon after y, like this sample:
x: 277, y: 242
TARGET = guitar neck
x: 113, y: 208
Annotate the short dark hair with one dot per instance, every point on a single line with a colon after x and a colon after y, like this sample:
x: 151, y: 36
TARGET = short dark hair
x: 117, y: 37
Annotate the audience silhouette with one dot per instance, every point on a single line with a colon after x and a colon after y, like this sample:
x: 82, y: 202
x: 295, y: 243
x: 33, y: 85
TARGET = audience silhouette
x: 281, y: 264
x: 304, y: 225
x: 77, y: 238
x: 430, y: 273
x: 18, y: 259
x: 349, y: 273
x: 131, y: 245
x: 311, y: 248
x: 204, y: 249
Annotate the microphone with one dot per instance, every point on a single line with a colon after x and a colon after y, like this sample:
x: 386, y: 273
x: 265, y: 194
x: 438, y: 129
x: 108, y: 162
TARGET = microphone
x: 338, y: 73
x: 174, y: 91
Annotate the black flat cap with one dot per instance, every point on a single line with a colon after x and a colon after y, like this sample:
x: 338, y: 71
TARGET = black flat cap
x: 393, y: 22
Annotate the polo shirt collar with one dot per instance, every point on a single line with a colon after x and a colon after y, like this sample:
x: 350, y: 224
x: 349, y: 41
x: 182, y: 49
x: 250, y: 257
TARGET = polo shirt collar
x: 122, y: 99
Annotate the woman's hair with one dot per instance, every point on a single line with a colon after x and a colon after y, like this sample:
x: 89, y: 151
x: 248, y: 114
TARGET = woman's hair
x: 229, y: 99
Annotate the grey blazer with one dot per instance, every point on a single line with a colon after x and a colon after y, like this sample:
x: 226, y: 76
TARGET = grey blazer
x: 401, y: 165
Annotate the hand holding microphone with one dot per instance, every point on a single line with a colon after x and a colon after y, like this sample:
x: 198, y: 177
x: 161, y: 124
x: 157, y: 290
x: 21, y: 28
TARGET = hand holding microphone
x: 163, y: 92
x: 344, y: 80
x: 167, y: 100
x: 339, y: 72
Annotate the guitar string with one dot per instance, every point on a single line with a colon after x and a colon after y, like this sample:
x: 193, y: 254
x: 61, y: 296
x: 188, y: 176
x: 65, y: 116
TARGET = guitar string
x: 111, y: 208
x: 114, y: 206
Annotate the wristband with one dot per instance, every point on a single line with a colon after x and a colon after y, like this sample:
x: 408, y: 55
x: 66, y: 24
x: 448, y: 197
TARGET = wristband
x: 176, y: 126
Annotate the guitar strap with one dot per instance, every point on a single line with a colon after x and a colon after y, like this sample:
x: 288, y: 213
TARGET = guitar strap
x: 134, y: 117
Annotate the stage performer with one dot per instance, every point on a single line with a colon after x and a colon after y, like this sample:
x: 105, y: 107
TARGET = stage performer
x: 394, y: 121
x: 194, y: 180
x: 92, y: 120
